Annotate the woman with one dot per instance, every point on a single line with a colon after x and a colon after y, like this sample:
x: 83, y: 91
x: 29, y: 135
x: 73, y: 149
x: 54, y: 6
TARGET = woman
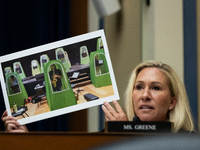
x: 154, y: 93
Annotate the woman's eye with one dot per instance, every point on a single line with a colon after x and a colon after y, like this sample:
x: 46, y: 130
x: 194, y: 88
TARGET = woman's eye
x: 156, y: 88
x: 138, y: 87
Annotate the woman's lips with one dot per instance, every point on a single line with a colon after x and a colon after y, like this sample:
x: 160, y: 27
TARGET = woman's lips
x: 146, y: 107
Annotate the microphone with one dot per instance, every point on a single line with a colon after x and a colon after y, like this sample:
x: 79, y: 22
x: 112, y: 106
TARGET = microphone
x: 136, y: 119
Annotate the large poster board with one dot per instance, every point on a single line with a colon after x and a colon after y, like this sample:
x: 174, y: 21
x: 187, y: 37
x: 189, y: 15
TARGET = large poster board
x: 58, y: 78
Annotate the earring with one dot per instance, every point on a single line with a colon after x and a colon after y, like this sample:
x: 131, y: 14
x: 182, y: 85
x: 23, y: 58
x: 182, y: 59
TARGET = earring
x: 169, y: 107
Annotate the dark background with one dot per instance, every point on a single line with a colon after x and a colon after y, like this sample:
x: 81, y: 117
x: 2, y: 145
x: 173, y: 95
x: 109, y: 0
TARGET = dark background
x: 29, y: 23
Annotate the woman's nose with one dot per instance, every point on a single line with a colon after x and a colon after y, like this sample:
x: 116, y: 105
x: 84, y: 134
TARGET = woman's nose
x: 146, y: 94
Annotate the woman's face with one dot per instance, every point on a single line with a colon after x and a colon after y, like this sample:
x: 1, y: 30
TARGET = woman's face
x: 151, y: 95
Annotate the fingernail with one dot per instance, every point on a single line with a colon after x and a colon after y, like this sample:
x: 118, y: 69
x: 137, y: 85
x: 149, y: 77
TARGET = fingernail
x: 105, y: 102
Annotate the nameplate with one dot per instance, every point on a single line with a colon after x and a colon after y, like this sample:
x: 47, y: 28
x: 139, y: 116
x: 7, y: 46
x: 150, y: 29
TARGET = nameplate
x: 140, y: 126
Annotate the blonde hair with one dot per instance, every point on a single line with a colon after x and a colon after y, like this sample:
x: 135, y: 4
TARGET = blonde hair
x: 181, y: 114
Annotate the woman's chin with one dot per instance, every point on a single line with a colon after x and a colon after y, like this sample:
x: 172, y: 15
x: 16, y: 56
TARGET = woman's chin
x: 146, y: 118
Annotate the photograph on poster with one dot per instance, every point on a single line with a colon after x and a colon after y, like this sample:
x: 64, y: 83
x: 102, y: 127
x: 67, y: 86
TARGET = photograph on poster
x: 58, y: 78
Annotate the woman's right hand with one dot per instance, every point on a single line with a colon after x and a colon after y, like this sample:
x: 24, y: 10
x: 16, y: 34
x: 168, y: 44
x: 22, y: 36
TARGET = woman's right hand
x: 114, y: 115
x: 11, y: 124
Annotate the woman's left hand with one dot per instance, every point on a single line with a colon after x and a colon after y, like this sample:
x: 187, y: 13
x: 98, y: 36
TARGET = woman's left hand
x: 114, y: 115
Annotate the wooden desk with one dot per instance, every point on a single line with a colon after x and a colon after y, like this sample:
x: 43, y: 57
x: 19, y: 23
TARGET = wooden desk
x: 57, y: 140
